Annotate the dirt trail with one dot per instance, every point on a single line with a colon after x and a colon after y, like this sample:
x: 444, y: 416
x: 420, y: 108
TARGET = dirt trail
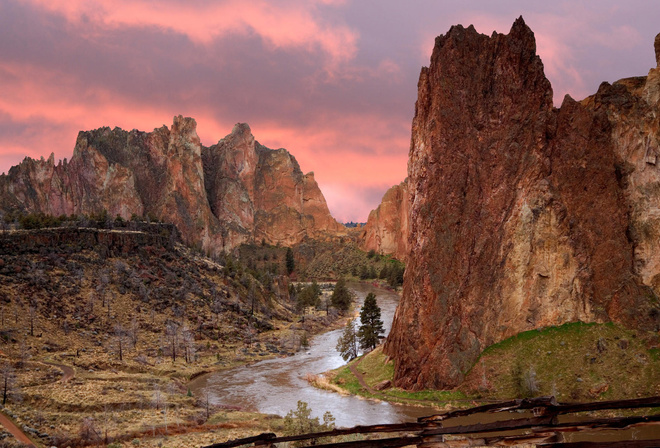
x: 68, y: 371
x: 354, y: 369
x: 15, y: 431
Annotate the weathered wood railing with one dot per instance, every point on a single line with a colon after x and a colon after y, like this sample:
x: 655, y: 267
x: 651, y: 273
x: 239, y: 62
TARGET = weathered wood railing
x: 543, y: 428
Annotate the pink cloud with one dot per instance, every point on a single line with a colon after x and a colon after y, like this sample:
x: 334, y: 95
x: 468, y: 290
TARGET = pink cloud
x: 281, y: 24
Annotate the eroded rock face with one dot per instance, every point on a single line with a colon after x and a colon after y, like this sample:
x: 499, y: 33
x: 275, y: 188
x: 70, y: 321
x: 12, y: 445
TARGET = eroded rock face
x: 219, y: 197
x: 521, y: 215
x: 386, y: 229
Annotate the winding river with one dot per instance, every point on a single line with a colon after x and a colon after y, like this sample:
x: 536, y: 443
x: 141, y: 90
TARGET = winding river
x: 274, y: 386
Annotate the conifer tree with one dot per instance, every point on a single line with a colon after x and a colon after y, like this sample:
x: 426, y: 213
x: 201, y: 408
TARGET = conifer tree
x: 290, y: 261
x: 341, y: 296
x: 347, y: 345
x: 371, y: 326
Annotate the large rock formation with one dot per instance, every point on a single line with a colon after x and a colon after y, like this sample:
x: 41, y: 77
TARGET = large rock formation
x: 233, y: 192
x: 386, y: 229
x: 522, y: 215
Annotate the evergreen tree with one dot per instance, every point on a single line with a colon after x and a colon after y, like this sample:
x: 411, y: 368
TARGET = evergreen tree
x: 371, y: 326
x: 347, y: 345
x: 290, y: 261
x: 341, y: 296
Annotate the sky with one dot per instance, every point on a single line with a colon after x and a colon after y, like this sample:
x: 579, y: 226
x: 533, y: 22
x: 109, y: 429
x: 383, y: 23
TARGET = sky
x: 333, y: 81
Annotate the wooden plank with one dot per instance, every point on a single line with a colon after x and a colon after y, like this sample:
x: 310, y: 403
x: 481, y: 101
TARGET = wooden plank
x: 265, y: 439
x: 465, y: 412
x: 247, y: 440
x: 548, y: 422
x: 395, y: 427
x: 618, y: 444
x: 375, y: 443
x: 551, y: 406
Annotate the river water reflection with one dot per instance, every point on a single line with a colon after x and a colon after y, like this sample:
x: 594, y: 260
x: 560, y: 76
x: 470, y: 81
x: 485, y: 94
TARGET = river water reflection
x: 274, y: 386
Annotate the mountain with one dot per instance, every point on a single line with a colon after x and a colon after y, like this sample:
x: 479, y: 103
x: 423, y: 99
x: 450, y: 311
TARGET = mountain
x: 387, y: 225
x: 219, y: 197
x: 522, y: 215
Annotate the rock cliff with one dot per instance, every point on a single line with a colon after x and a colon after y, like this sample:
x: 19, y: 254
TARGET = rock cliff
x: 386, y: 229
x: 233, y: 192
x: 522, y: 215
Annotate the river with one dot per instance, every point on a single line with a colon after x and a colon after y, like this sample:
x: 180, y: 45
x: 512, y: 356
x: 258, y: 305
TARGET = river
x: 274, y: 386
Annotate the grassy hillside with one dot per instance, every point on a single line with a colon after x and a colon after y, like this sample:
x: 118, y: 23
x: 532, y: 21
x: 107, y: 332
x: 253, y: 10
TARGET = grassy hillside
x: 135, y: 327
x: 574, y: 362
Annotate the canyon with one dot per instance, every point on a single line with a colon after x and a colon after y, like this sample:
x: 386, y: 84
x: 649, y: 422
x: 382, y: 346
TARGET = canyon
x: 515, y: 214
x: 521, y: 215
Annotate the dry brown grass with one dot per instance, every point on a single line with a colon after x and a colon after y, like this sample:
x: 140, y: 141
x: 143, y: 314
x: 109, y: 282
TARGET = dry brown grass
x: 119, y: 395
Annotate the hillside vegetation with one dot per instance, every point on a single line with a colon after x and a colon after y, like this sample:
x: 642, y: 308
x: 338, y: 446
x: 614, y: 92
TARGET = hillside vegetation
x: 573, y: 362
x: 136, y: 315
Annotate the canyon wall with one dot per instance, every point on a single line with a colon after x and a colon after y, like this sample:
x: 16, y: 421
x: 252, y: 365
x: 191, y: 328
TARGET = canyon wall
x: 386, y: 229
x: 219, y: 197
x: 522, y: 215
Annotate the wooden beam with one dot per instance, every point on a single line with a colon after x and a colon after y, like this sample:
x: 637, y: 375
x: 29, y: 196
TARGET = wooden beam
x: 237, y: 442
x: 619, y: 444
x: 547, y: 422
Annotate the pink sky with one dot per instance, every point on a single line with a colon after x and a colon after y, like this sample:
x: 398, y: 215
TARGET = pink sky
x: 333, y: 81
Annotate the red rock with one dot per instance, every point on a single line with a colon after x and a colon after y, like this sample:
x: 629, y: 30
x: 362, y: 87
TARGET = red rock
x: 386, y: 229
x: 520, y: 213
x: 219, y: 197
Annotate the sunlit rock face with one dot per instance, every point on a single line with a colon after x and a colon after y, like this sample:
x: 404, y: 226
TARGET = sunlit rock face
x: 521, y: 215
x: 386, y: 229
x: 219, y: 197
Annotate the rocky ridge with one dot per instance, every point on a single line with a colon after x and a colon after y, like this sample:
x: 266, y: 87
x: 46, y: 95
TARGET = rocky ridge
x: 388, y: 224
x: 522, y: 215
x: 219, y: 197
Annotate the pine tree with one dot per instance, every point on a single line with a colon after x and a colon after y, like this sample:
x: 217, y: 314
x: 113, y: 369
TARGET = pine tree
x: 341, y: 296
x: 347, y: 345
x: 371, y: 326
x: 290, y: 261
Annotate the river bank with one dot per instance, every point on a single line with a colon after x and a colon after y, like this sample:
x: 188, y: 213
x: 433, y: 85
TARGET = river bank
x: 274, y: 386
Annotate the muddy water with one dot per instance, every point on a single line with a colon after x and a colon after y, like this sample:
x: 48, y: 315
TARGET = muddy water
x: 274, y: 386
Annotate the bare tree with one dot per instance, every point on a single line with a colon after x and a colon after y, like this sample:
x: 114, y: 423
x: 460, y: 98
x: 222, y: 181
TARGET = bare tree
x: 88, y: 430
x: 121, y: 336
x: 90, y: 302
x: 205, y: 401
x: 108, y: 302
x: 32, y: 315
x: 172, y: 337
x: 23, y: 353
x: 216, y: 304
x: 188, y: 339
x: 133, y: 331
x: 8, y: 378
x: 157, y: 397
x: 16, y: 312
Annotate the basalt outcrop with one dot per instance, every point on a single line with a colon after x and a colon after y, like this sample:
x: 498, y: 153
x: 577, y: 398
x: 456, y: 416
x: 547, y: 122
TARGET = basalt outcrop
x: 219, y: 197
x: 387, y: 226
x: 522, y: 215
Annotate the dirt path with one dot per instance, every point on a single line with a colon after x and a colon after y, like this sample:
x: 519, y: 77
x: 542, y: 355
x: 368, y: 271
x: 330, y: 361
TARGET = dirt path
x: 68, y: 371
x: 68, y: 374
x: 354, y: 370
x: 15, y: 431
